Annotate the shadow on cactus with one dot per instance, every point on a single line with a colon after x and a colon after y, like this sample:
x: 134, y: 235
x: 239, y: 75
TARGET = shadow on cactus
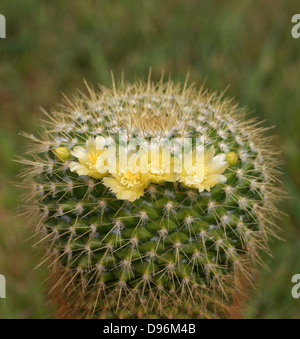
x: 173, y: 235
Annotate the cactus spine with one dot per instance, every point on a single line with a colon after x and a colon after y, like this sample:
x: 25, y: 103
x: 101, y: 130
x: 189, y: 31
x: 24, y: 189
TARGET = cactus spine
x: 167, y: 249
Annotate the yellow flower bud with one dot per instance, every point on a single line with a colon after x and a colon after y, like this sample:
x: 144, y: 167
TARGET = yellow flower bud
x: 232, y: 158
x: 62, y: 154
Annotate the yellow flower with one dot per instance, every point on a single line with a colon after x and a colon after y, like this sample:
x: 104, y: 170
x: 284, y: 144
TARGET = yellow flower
x: 205, y: 171
x: 127, y: 185
x: 160, y: 166
x: 92, y: 159
x: 130, y: 179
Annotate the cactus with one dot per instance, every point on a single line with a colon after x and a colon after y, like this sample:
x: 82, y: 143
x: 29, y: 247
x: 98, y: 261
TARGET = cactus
x: 159, y: 244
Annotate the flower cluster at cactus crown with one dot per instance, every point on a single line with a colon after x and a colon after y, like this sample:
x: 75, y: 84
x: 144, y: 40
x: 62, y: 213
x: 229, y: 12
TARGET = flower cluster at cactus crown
x: 129, y: 169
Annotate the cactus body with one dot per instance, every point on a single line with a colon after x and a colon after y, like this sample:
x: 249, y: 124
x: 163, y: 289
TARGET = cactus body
x: 175, y: 251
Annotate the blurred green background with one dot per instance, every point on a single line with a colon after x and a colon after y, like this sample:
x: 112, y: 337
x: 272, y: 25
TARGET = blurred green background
x: 52, y: 45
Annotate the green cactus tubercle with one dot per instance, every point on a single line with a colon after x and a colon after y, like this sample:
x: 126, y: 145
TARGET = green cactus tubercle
x: 169, y: 249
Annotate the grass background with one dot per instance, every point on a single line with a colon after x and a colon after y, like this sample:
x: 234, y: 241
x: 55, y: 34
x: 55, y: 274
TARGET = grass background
x: 52, y: 45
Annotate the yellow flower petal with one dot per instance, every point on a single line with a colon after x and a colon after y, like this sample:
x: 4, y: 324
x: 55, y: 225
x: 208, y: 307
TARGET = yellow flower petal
x: 92, y: 160
x: 128, y: 186
x: 206, y: 177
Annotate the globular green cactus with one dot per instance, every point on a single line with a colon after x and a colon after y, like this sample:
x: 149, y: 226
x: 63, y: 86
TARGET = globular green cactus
x: 162, y: 244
